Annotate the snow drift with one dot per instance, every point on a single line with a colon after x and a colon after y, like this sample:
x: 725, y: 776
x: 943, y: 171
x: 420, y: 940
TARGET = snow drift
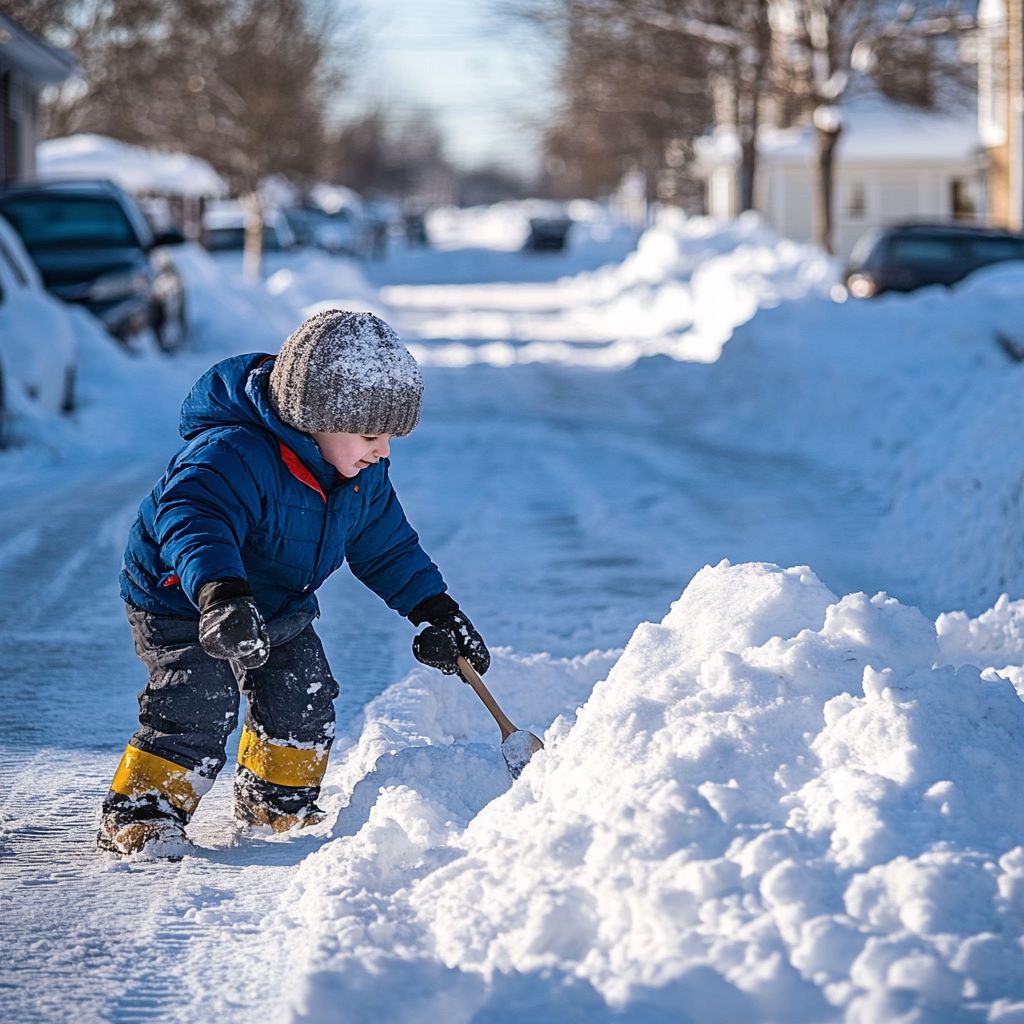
x: 776, y: 806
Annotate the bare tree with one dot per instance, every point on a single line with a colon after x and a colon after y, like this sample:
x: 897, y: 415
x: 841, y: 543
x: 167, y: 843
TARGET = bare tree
x: 635, y: 93
x: 246, y: 84
x: 833, y: 46
x: 736, y: 36
x: 382, y: 152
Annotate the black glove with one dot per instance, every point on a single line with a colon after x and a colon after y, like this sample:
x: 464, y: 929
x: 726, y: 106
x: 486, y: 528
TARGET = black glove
x: 230, y: 625
x: 449, y: 634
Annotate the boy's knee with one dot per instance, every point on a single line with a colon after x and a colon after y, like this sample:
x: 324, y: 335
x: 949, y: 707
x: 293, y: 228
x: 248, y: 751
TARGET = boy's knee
x: 292, y: 696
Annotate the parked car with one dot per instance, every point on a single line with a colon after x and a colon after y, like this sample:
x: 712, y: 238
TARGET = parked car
x: 345, y: 232
x: 224, y: 229
x: 903, y: 257
x: 414, y: 225
x: 37, y: 339
x: 342, y: 225
x: 93, y: 246
x: 548, y: 234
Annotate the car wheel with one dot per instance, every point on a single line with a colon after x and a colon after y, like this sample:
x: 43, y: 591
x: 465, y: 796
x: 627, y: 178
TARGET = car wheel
x: 5, y: 416
x: 67, y: 402
x: 170, y: 327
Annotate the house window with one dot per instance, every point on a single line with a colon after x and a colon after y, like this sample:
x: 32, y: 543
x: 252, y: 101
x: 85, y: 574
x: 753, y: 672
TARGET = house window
x: 856, y: 201
x: 963, y: 198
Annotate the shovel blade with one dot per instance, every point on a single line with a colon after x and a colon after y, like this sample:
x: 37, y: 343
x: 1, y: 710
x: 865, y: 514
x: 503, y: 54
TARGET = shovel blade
x: 518, y: 747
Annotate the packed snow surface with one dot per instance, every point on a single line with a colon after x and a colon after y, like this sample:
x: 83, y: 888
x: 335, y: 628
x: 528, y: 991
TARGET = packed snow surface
x: 665, y: 479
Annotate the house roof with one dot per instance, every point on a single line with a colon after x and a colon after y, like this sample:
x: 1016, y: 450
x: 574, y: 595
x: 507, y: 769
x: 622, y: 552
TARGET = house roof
x: 875, y: 130
x: 39, y: 61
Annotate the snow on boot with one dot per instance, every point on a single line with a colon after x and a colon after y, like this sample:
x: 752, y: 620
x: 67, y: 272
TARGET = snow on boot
x: 147, y: 839
x: 250, y: 813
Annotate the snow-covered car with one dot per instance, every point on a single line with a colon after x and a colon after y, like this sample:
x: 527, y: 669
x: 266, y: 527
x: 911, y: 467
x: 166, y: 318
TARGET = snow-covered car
x: 341, y: 222
x: 224, y: 229
x: 94, y: 247
x: 343, y: 232
x: 37, y: 339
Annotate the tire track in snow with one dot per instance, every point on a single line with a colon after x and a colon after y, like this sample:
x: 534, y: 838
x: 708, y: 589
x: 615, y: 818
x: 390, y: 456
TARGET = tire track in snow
x: 66, y: 936
x: 115, y: 941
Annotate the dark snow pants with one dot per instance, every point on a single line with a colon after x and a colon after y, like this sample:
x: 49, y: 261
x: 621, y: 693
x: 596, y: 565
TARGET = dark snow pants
x: 189, y: 708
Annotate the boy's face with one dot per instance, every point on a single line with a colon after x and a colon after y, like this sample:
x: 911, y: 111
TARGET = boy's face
x: 349, y: 453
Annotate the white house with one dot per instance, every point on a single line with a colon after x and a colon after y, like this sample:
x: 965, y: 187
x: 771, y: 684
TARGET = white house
x: 893, y: 163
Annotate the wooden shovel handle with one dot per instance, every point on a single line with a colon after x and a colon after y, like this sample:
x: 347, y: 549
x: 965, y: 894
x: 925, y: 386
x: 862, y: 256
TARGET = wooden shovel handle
x: 470, y: 676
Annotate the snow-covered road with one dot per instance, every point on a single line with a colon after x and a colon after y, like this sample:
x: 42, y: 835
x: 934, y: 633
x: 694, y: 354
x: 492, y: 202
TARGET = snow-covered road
x: 564, y: 505
x: 569, y: 490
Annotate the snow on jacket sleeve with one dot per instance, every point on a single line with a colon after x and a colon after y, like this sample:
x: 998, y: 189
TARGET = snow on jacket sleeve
x: 204, y: 513
x: 385, y: 554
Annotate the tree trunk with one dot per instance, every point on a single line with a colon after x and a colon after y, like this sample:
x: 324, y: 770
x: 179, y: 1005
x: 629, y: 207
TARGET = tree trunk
x: 252, y: 259
x: 748, y: 166
x: 825, y: 186
x: 751, y: 82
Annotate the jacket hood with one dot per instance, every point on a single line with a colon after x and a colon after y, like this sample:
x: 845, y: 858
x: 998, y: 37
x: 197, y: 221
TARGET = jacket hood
x: 233, y: 393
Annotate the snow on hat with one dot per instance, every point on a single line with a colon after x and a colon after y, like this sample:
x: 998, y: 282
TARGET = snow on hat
x: 346, y: 372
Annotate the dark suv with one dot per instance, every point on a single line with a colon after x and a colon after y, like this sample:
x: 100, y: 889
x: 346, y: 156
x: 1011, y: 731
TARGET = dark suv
x: 94, y: 246
x: 903, y: 257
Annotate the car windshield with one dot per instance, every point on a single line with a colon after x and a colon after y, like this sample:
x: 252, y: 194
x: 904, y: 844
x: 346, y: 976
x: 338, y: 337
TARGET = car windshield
x: 929, y: 250
x: 55, y: 222
x: 926, y: 252
x: 995, y: 250
x: 233, y: 239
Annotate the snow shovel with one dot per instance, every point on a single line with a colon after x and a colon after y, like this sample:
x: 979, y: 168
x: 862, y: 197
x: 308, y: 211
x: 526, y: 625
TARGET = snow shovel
x: 517, y: 745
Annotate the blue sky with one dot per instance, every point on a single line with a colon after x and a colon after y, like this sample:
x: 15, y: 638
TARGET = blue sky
x: 485, y: 77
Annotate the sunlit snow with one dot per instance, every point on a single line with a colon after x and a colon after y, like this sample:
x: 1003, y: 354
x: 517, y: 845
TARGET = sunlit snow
x: 738, y: 549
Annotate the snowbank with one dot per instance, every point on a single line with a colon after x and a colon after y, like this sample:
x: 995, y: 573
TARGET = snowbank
x: 994, y: 641
x: 229, y: 314
x: 774, y: 807
x: 911, y: 396
x: 681, y: 293
x: 123, y: 397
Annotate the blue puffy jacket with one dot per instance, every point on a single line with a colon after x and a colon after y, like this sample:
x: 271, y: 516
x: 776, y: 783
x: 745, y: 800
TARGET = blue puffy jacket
x: 250, y: 497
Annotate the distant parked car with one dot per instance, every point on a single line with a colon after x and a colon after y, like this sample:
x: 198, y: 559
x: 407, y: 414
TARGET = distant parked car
x: 37, y: 339
x: 94, y: 247
x: 414, y: 224
x: 224, y: 229
x: 344, y: 232
x: 904, y: 257
x: 548, y: 234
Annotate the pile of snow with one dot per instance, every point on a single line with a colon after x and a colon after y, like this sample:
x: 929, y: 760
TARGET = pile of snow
x: 908, y: 396
x: 681, y: 293
x: 774, y: 807
x: 994, y: 640
x: 229, y: 314
x: 132, y: 167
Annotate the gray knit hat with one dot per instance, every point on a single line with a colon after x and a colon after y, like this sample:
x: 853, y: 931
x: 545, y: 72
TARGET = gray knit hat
x: 346, y: 372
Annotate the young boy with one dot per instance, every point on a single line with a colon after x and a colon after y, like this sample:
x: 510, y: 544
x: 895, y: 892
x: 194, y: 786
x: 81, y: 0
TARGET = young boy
x: 283, y: 476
